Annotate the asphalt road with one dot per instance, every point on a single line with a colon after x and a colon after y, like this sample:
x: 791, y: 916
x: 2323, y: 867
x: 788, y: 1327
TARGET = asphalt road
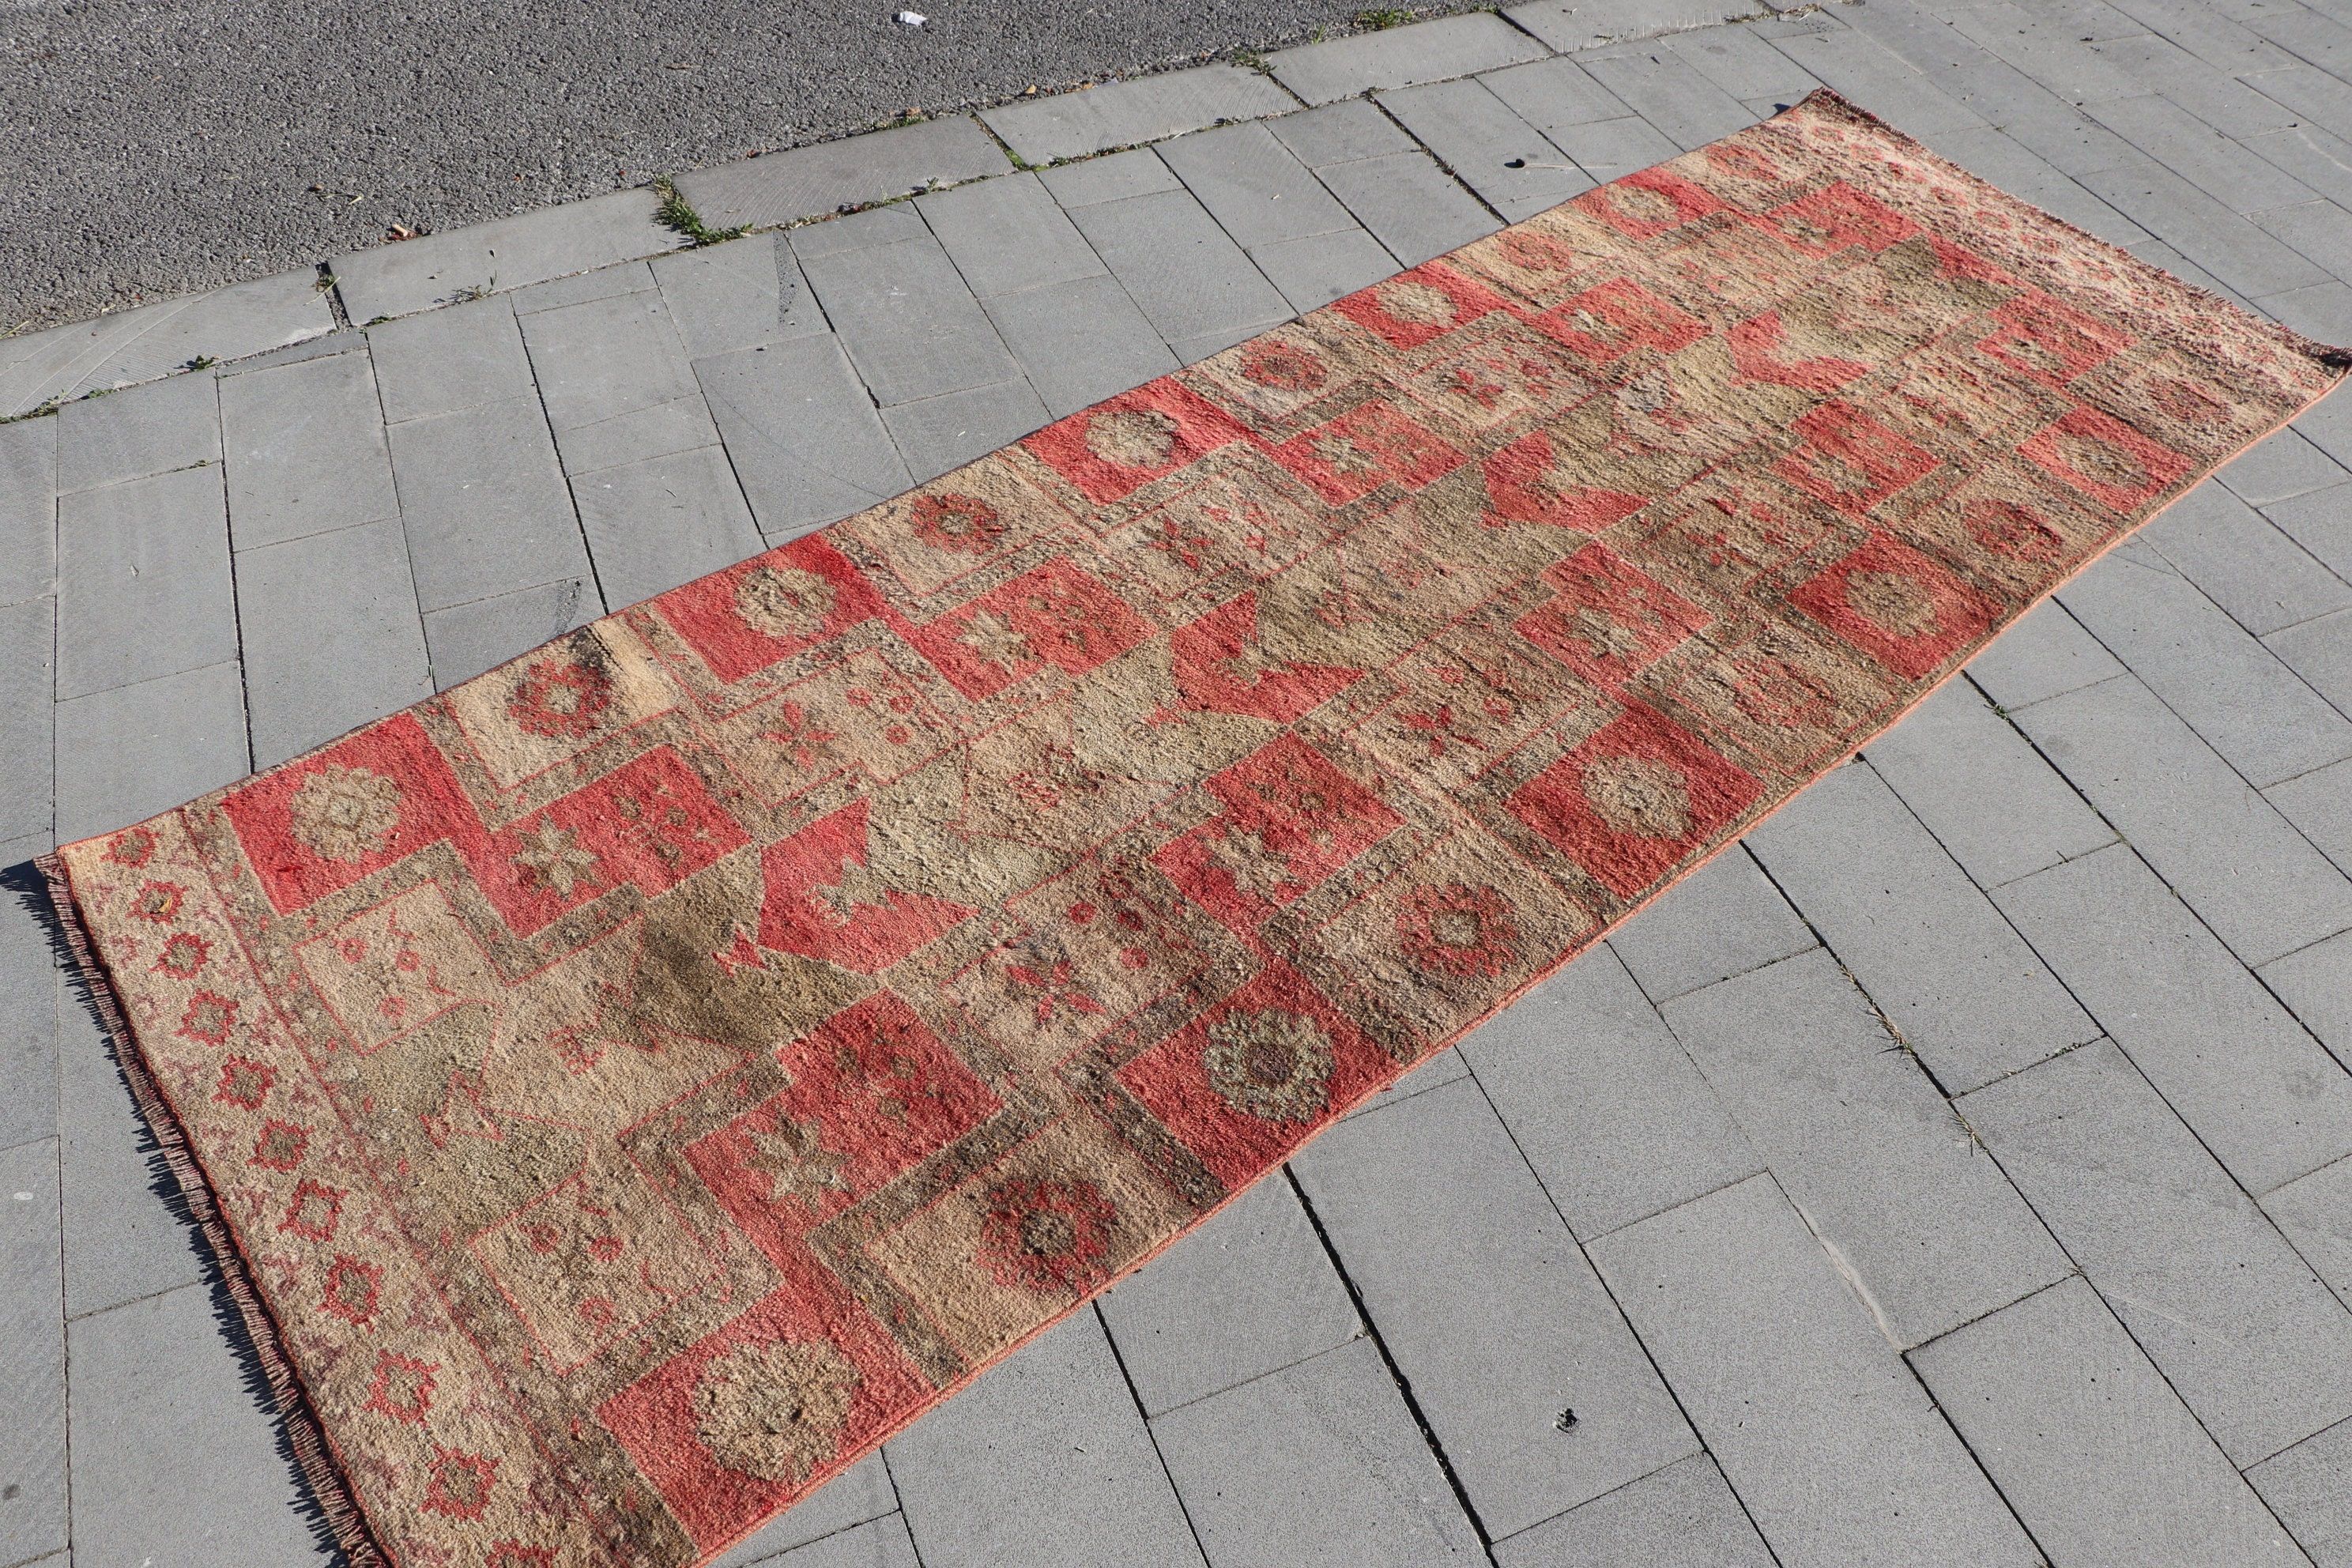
x: 154, y: 148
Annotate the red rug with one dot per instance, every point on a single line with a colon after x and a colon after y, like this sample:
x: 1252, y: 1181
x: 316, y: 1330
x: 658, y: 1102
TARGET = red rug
x: 626, y: 1088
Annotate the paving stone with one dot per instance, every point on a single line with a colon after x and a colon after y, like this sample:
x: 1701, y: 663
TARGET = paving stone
x: 1683, y: 1515
x: 2320, y: 652
x: 878, y: 1543
x: 1961, y: 988
x: 1320, y: 1462
x: 1402, y: 56
x: 2311, y: 92
x: 605, y: 283
x: 1552, y: 95
x: 122, y: 1240
x: 2030, y: 40
x: 2312, y: 1212
x: 1607, y: 1109
x: 2316, y: 228
x: 32, y: 1357
x: 1431, y: 1072
x: 1250, y: 1293
x: 174, y: 1460
x: 1994, y: 155
x: 2215, y: 1296
x: 126, y: 753
x: 2257, y: 1088
x: 2320, y: 810
x: 2305, y: 1489
x: 1192, y: 350
x: 27, y: 688
x: 1509, y: 162
x: 1998, y: 808
x: 29, y: 509
x: 1409, y: 204
x: 1739, y: 61
x: 348, y: 591
x: 808, y: 182
x: 2202, y: 229
x: 1097, y: 179
x: 2262, y: 578
x: 2203, y: 31
x: 859, y: 1496
x: 1121, y: 114
x: 1572, y: 24
x: 1253, y: 186
x: 30, y: 992
x: 484, y: 503
x: 448, y: 359
x: 2089, y: 1444
x: 1929, y: 1233
x: 1670, y: 93
x: 138, y: 433
x: 143, y: 579
x: 2164, y: 258
x: 1043, y: 1461
x: 911, y: 327
x: 804, y: 435
x: 1186, y: 274
x: 508, y: 253
x: 1839, y: 1456
x: 1008, y: 235
x: 941, y: 434
x: 2323, y: 312
x: 304, y: 450
x: 2321, y: 522
x: 1493, y: 1317
x: 1347, y: 132
x: 131, y: 346
x: 1321, y: 267
x: 742, y: 294
x: 2043, y: 654
x: 1723, y: 919
x: 616, y: 384
x: 654, y: 524
x: 867, y: 230
x: 1611, y: 149
x: 1857, y: 66
x: 1079, y: 342
x: 2316, y: 984
x: 466, y: 640
x: 2322, y: 161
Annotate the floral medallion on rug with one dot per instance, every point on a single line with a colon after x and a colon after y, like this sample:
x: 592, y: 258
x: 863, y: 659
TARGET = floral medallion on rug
x: 628, y: 1087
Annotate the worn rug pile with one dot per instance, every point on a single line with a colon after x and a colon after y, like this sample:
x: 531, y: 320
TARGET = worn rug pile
x: 628, y: 1087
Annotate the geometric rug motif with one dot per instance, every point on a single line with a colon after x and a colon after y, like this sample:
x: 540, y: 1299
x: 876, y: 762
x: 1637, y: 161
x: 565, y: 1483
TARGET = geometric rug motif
x: 628, y: 1087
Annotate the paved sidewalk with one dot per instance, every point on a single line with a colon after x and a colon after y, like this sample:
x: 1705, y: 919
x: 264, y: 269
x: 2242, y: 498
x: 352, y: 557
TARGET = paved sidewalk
x: 1960, y: 1171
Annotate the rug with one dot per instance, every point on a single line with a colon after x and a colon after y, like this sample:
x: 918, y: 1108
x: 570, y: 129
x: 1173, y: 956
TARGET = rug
x: 628, y: 1087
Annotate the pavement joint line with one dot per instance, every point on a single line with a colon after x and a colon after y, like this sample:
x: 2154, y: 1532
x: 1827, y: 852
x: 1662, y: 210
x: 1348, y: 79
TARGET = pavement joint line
x: 1143, y: 1419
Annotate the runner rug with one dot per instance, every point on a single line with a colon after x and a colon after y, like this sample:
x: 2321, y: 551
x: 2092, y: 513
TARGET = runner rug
x: 628, y: 1087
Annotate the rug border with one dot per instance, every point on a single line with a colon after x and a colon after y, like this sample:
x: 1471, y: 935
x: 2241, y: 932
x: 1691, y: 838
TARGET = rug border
x: 313, y: 1447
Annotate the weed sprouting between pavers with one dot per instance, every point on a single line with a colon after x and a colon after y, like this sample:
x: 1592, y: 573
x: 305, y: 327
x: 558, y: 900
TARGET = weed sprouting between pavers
x: 676, y: 213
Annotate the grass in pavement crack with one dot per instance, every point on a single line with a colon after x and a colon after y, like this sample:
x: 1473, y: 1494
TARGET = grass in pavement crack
x: 676, y: 213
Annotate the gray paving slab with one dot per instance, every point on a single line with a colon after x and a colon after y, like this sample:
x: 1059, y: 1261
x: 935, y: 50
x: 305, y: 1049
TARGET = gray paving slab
x: 1253, y: 186
x: 615, y: 382
x: 122, y: 1239
x: 1079, y: 342
x: 331, y: 636
x: 2259, y: 1092
x: 28, y: 509
x: 1820, y: 1428
x: 1492, y: 1316
x: 2316, y: 228
x: 1403, y: 57
x: 804, y: 435
x: 138, y: 433
x: 860, y: 1495
x: 2247, y: 1334
x: 504, y: 254
x: 1670, y: 93
x: 2044, y: 654
x: 2305, y: 1489
x: 2311, y: 92
x: 2091, y: 1445
x: 30, y: 992
x: 305, y: 449
x: 1320, y: 1462
x: 1139, y: 173
x: 654, y: 524
x: 1572, y: 24
x: 2206, y: 33
x: 1723, y: 919
x: 2316, y: 984
x: 2322, y: 312
x: 912, y: 328
x: 1978, y: 786
x: 1186, y: 274
x: 2311, y: 154
x: 740, y: 295
x: 2053, y: 55
x: 1856, y: 66
x: 936, y: 435
x: 2242, y: 562
x: 605, y: 283
x: 2320, y: 652
x: 2260, y: 884
x: 1739, y: 61
x: 125, y: 753
x: 484, y: 503
x: 1604, y: 1105
x: 1409, y: 204
x: 2312, y: 1212
x: 1611, y: 149
x: 2321, y: 522
x: 1008, y: 235
x: 1060, y: 125
x: 1513, y: 166
x: 2214, y: 673
x: 1043, y: 1461
x: 809, y: 181
x: 1929, y: 1234
x: 1994, y: 155
x: 27, y: 724
x: 1683, y: 1515
x: 1552, y: 95
x: 445, y: 361
x: 157, y: 340
x: 1442, y: 1069
x: 1347, y: 132
x: 1318, y: 268
x: 1961, y: 988
x: 32, y: 1357
x: 2203, y: 230
x: 464, y: 640
x: 143, y: 581
x: 173, y: 1461
x: 878, y: 1543
x: 1250, y: 1293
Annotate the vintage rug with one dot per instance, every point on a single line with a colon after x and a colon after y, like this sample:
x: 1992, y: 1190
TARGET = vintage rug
x: 626, y: 1088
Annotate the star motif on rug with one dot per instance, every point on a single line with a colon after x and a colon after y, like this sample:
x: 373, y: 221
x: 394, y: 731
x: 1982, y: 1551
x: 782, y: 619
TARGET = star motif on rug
x: 860, y: 887
x: 796, y: 1162
x: 551, y: 858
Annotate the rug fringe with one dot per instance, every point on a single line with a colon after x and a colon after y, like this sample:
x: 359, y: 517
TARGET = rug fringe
x: 306, y: 1435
